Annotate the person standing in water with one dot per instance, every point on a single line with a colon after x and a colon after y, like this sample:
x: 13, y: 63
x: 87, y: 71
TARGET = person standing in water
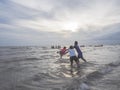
x: 62, y: 52
x: 73, y: 56
x: 80, y: 55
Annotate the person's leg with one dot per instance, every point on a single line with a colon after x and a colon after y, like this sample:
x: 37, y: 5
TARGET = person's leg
x: 77, y: 61
x: 61, y: 55
x: 83, y: 59
x: 71, y: 61
x: 81, y: 56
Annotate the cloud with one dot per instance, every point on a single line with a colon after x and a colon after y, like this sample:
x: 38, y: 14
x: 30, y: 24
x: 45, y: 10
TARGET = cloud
x: 87, y: 13
x: 51, y: 19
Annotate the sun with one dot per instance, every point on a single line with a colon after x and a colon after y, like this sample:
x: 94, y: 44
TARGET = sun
x: 70, y: 26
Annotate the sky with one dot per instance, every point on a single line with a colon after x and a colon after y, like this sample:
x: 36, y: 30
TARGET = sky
x: 54, y: 22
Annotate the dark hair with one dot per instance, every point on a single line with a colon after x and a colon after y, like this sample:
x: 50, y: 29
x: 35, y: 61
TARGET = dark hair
x: 76, y: 43
x: 71, y: 47
x: 64, y: 47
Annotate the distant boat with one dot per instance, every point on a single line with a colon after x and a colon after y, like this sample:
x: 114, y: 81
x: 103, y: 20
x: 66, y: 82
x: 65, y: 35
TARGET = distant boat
x: 82, y: 45
x: 98, y: 45
x: 55, y: 47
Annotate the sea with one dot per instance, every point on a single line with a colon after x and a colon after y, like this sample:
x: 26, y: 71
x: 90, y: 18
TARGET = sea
x: 40, y: 68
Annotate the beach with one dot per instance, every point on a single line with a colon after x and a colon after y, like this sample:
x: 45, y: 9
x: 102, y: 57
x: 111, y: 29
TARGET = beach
x: 40, y: 68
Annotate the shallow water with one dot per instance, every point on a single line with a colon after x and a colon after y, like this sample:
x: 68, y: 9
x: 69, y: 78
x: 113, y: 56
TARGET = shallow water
x: 37, y: 68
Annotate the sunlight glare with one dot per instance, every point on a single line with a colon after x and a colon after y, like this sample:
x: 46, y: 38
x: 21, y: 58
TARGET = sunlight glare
x: 70, y: 26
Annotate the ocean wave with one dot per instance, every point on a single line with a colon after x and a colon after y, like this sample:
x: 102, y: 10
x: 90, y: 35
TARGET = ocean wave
x: 87, y: 80
x: 36, y: 68
x: 32, y: 58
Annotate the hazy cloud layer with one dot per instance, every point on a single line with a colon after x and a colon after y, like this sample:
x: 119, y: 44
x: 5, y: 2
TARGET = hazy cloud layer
x: 56, y: 21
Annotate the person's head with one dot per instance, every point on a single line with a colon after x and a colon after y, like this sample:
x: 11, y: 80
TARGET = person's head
x: 71, y: 47
x: 76, y: 43
x: 64, y: 47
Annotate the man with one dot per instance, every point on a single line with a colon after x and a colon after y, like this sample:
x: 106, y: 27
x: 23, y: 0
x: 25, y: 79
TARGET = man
x: 80, y: 55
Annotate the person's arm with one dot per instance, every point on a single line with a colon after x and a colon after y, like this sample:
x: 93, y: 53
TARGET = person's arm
x: 67, y: 50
